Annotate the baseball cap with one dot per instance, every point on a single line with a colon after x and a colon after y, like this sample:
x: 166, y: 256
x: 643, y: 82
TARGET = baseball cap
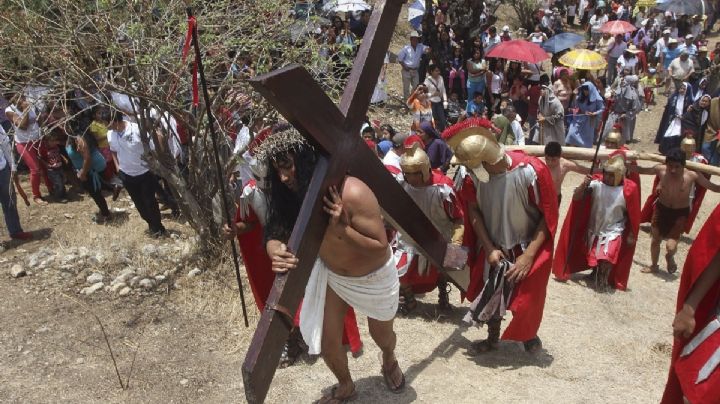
x: 666, y: 31
x: 689, y: 36
x: 414, y: 34
x: 506, y: 28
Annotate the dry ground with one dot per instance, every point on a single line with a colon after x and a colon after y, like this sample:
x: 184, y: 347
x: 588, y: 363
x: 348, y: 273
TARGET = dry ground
x: 187, y: 344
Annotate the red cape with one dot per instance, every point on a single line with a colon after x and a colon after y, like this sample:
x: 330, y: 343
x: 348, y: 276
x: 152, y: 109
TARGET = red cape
x: 683, y: 371
x: 427, y: 283
x: 529, y: 295
x: 258, y: 267
x: 573, y: 238
x: 649, y: 206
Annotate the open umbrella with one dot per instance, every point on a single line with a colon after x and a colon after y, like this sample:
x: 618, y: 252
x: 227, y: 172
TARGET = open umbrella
x: 617, y: 27
x: 344, y: 6
x: 520, y: 50
x: 416, y: 11
x: 583, y: 59
x: 681, y: 7
x: 563, y: 41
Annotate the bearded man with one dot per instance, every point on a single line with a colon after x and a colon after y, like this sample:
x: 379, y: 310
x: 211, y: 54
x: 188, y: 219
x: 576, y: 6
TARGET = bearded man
x: 514, y: 217
x: 355, y: 267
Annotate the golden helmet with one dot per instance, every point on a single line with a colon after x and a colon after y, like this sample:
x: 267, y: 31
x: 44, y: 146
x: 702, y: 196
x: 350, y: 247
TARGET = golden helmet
x: 615, y: 136
x: 415, y: 160
x: 473, y: 144
x: 616, y: 165
x: 688, y: 146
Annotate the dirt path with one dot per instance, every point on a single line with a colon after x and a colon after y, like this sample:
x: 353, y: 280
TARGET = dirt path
x: 598, y: 348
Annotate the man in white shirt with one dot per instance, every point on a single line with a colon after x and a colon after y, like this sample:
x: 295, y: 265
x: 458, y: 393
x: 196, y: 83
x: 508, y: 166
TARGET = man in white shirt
x: 681, y: 69
x: 409, y: 59
x: 394, y: 155
x: 7, y: 192
x: 127, y: 149
x: 492, y: 39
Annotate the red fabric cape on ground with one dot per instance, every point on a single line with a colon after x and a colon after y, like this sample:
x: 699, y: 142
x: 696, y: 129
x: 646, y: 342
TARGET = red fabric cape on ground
x: 573, y: 238
x: 529, y: 295
x: 684, y: 371
x: 649, y: 206
x: 258, y: 267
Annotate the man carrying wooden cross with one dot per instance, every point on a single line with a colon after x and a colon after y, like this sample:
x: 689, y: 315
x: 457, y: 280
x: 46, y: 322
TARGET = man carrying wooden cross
x: 355, y: 266
x: 514, y: 216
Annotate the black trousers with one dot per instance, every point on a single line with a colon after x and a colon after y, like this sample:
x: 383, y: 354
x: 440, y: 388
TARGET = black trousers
x: 142, y: 192
x: 96, y: 195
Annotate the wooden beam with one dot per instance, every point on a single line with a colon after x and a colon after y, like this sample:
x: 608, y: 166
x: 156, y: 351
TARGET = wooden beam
x: 581, y: 153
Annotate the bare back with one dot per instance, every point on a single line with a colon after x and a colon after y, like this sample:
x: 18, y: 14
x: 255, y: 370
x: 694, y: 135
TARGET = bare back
x: 344, y: 256
x: 674, y: 190
x: 559, y: 171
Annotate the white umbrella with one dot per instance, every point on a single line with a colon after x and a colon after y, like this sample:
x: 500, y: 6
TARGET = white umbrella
x: 344, y: 6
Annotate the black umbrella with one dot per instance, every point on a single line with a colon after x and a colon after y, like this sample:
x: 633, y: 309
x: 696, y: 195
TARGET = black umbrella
x: 683, y: 7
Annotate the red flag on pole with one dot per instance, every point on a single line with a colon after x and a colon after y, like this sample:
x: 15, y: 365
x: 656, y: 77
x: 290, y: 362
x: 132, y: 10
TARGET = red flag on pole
x: 192, y: 24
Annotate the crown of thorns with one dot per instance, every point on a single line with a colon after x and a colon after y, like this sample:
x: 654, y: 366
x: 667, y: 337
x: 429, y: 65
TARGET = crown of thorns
x: 279, y: 143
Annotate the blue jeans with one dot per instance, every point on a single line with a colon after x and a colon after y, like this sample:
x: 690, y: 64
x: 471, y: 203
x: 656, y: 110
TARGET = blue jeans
x: 9, y: 202
x: 475, y: 87
x: 709, y: 151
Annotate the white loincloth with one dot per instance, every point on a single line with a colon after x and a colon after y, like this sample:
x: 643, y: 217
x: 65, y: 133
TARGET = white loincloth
x: 374, y: 295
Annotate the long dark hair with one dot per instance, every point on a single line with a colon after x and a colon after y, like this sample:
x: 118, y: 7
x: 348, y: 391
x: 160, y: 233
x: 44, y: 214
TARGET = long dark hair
x: 284, y: 203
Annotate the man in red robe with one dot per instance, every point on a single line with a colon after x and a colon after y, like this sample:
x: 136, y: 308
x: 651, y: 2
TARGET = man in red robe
x: 604, y: 238
x: 694, y: 373
x: 514, y: 216
x: 688, y: 146
x: 433, y: 192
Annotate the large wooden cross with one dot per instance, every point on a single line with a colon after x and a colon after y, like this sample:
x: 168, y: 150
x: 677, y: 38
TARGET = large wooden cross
x: 336, y: 131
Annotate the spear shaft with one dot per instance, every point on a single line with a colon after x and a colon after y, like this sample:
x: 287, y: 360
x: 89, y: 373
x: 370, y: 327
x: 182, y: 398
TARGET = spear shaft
x: 218, y: 167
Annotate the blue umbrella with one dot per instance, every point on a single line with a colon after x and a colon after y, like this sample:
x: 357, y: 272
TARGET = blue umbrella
x: 416, y: 11
x: 563, y: 41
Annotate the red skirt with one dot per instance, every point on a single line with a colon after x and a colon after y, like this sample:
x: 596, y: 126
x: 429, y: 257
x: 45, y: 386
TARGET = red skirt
x: 613, y: 252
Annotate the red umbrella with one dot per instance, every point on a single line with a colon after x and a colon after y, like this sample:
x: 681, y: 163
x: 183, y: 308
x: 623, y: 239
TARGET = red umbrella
x: 520, y: 50
x: 617, y: 27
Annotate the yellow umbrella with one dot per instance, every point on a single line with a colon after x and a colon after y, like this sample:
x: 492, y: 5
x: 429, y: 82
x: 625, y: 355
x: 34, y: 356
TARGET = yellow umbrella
x: 646, y: 3
x: 583, y: 59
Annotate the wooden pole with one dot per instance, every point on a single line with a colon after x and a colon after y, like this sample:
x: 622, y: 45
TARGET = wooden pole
x: 218, y: 167
x: 581, y: 153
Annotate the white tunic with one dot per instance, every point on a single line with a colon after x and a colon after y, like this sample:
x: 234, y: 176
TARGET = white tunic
x: 608, y: 214
x: 431, y: 200
x: 253, y: 197
x: 504, y: 201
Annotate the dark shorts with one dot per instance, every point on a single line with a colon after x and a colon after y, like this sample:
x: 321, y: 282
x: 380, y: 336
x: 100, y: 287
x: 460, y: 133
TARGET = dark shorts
x: 670, y: 222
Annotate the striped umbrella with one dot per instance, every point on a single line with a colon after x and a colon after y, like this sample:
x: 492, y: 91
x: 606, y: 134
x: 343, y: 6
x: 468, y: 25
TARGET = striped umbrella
x: 416, y: 11
x: 583, y: 59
